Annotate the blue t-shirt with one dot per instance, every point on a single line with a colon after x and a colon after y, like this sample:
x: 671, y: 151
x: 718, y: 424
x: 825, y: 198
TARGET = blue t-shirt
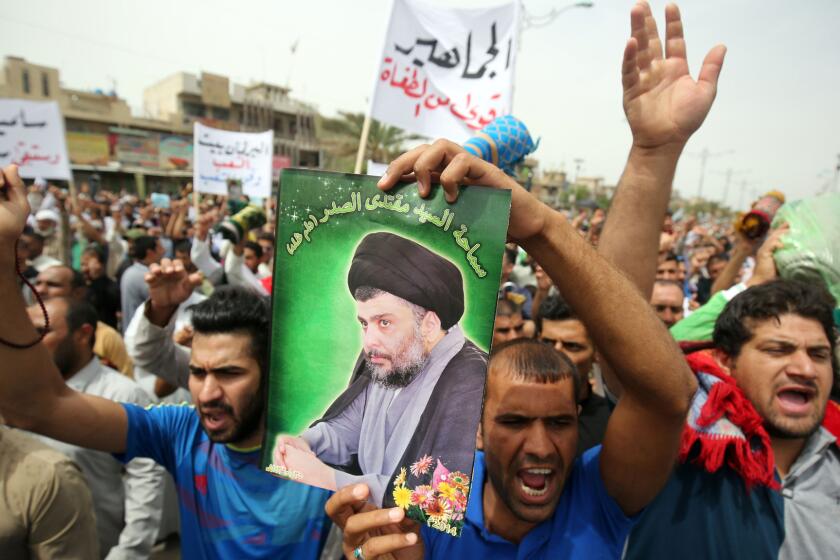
x: 230, y: 507
x: 586, y: 524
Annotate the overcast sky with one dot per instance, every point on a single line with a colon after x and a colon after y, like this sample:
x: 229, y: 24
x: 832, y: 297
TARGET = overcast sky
x: 776, y: 120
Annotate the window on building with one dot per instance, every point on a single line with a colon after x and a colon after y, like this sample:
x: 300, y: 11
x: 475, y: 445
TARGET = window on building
x: 193, y: 109
x: 221, y: 114
x: 45, y: 84
x: 25, y: 81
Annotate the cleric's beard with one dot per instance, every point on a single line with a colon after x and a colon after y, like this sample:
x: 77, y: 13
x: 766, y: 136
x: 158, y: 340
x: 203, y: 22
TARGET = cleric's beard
x: 406, y: 363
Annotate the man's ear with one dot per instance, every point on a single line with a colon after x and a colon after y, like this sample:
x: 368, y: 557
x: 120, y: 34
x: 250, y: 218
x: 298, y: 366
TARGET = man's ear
x: 430, y: 325
x: 724, y: 360
x: 479, y: 438
x: 84, y: 334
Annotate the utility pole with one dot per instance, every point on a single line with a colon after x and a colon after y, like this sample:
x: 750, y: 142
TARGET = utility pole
x: 744, y: 185
x: 729, y: 173
x: 704, y: 157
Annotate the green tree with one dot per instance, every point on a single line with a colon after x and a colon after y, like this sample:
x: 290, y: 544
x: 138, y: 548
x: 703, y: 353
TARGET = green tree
x: 340, y: 138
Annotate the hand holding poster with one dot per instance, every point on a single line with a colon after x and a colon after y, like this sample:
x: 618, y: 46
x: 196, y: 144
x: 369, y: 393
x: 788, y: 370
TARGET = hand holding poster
x: 446, y: 72
x: 32, y: 137
x: 383, y: 315
x: 222, y: 156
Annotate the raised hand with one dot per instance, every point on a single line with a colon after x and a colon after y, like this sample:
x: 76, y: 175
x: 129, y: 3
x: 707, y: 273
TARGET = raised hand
x: 202, y: 225
x: 544, y: 282
x: 765, y: 265
x: 14, y: 209
x: 170, y: 284
x: 379, y: 533
x: 663, y: 104
x: 452, y: 166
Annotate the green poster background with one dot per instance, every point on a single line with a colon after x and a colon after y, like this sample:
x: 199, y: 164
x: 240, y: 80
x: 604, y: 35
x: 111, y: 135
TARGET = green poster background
x: 316, y: 337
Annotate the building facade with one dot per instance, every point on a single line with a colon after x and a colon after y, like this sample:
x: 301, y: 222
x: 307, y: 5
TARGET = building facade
x: 154, y: 152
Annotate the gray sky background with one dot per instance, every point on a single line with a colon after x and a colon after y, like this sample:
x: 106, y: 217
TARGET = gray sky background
x: 778, y: 105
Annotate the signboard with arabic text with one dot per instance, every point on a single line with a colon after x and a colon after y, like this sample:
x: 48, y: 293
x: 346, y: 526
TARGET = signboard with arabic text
x: 88, y: 148
x: 32, y: 137
x: 444, y: 71
x: 221, y: 156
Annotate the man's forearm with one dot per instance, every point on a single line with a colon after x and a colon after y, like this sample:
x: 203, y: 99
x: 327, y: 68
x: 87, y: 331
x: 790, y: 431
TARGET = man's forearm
x: 623, y: 326
x: 727, y: 277
x: 149, y: 343
x: 28, y: 376
x: 634, y: 222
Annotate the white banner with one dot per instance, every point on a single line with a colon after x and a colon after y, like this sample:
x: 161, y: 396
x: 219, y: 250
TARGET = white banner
x: 32, y: 137
x: 444, y: 71
x: 222, y: 155
x: 375, y: 168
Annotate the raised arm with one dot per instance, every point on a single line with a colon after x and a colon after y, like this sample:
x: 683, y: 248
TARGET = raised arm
x: 149, y: 336
x: 33, y: 394
x: 664, y: 107
x: 658, y: 384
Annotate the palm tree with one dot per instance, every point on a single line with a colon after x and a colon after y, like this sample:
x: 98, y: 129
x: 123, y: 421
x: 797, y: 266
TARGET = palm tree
x: 340, y: 138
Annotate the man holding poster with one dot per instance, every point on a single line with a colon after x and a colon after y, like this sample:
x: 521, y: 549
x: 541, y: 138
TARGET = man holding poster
x: 417, y: 372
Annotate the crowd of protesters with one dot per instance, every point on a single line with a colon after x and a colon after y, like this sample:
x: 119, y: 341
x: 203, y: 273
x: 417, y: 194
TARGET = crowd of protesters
x: 654, y: 389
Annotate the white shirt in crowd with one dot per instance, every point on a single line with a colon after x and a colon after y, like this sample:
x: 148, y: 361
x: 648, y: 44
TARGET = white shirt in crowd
x: 127, y: 498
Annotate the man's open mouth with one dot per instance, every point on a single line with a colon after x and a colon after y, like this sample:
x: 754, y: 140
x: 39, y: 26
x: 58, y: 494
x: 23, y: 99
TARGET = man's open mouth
x: 535, y: 483
x: 796, y: 400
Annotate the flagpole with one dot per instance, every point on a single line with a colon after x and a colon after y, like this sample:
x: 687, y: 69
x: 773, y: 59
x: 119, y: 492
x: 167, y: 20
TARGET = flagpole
x: 360, y: 154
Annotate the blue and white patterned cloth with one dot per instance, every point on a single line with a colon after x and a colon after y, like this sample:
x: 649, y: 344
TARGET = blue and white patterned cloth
x: 511, y: 139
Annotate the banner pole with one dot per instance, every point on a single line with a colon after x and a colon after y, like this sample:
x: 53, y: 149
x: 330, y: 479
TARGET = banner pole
x: 360, y: 155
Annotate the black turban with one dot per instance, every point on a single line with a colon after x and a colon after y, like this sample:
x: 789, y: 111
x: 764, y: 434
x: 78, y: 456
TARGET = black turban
x: 405, y: 269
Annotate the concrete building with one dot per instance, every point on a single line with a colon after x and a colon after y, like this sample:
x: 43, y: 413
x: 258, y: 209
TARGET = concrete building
x: 183, y: 98
x: 154, y: 152
x: 550, y: 188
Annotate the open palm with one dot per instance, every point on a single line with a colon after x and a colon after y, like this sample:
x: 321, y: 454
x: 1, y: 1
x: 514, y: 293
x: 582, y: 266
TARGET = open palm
x: 663, y: 104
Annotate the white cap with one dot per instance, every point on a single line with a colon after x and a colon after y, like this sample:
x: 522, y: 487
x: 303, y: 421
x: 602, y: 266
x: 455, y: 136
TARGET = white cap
x: 47, y: 214
x: 40, y: 182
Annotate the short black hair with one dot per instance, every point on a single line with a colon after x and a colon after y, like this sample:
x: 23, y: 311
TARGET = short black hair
x: 255, y: 247
x: 530, y: 360
x: 771, y: 300
x: 670, y: 256
x: 29, y: 232
x: 511, y: 255
x: 95, y: 252
x: 80, y: 313
x: 553, y: 308
x: 717, y: 257
x: 673, y: 283
x: 142, y: 245
x: 266, y: 236
x: 507, y: 308
x: 182, y: 246
x: 231, y: 309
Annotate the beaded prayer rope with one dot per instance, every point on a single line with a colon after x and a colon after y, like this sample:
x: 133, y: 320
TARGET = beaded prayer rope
x: 40, y: 302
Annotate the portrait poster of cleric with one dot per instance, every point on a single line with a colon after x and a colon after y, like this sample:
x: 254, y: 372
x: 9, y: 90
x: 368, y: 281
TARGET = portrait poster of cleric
x: 383, y: 309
